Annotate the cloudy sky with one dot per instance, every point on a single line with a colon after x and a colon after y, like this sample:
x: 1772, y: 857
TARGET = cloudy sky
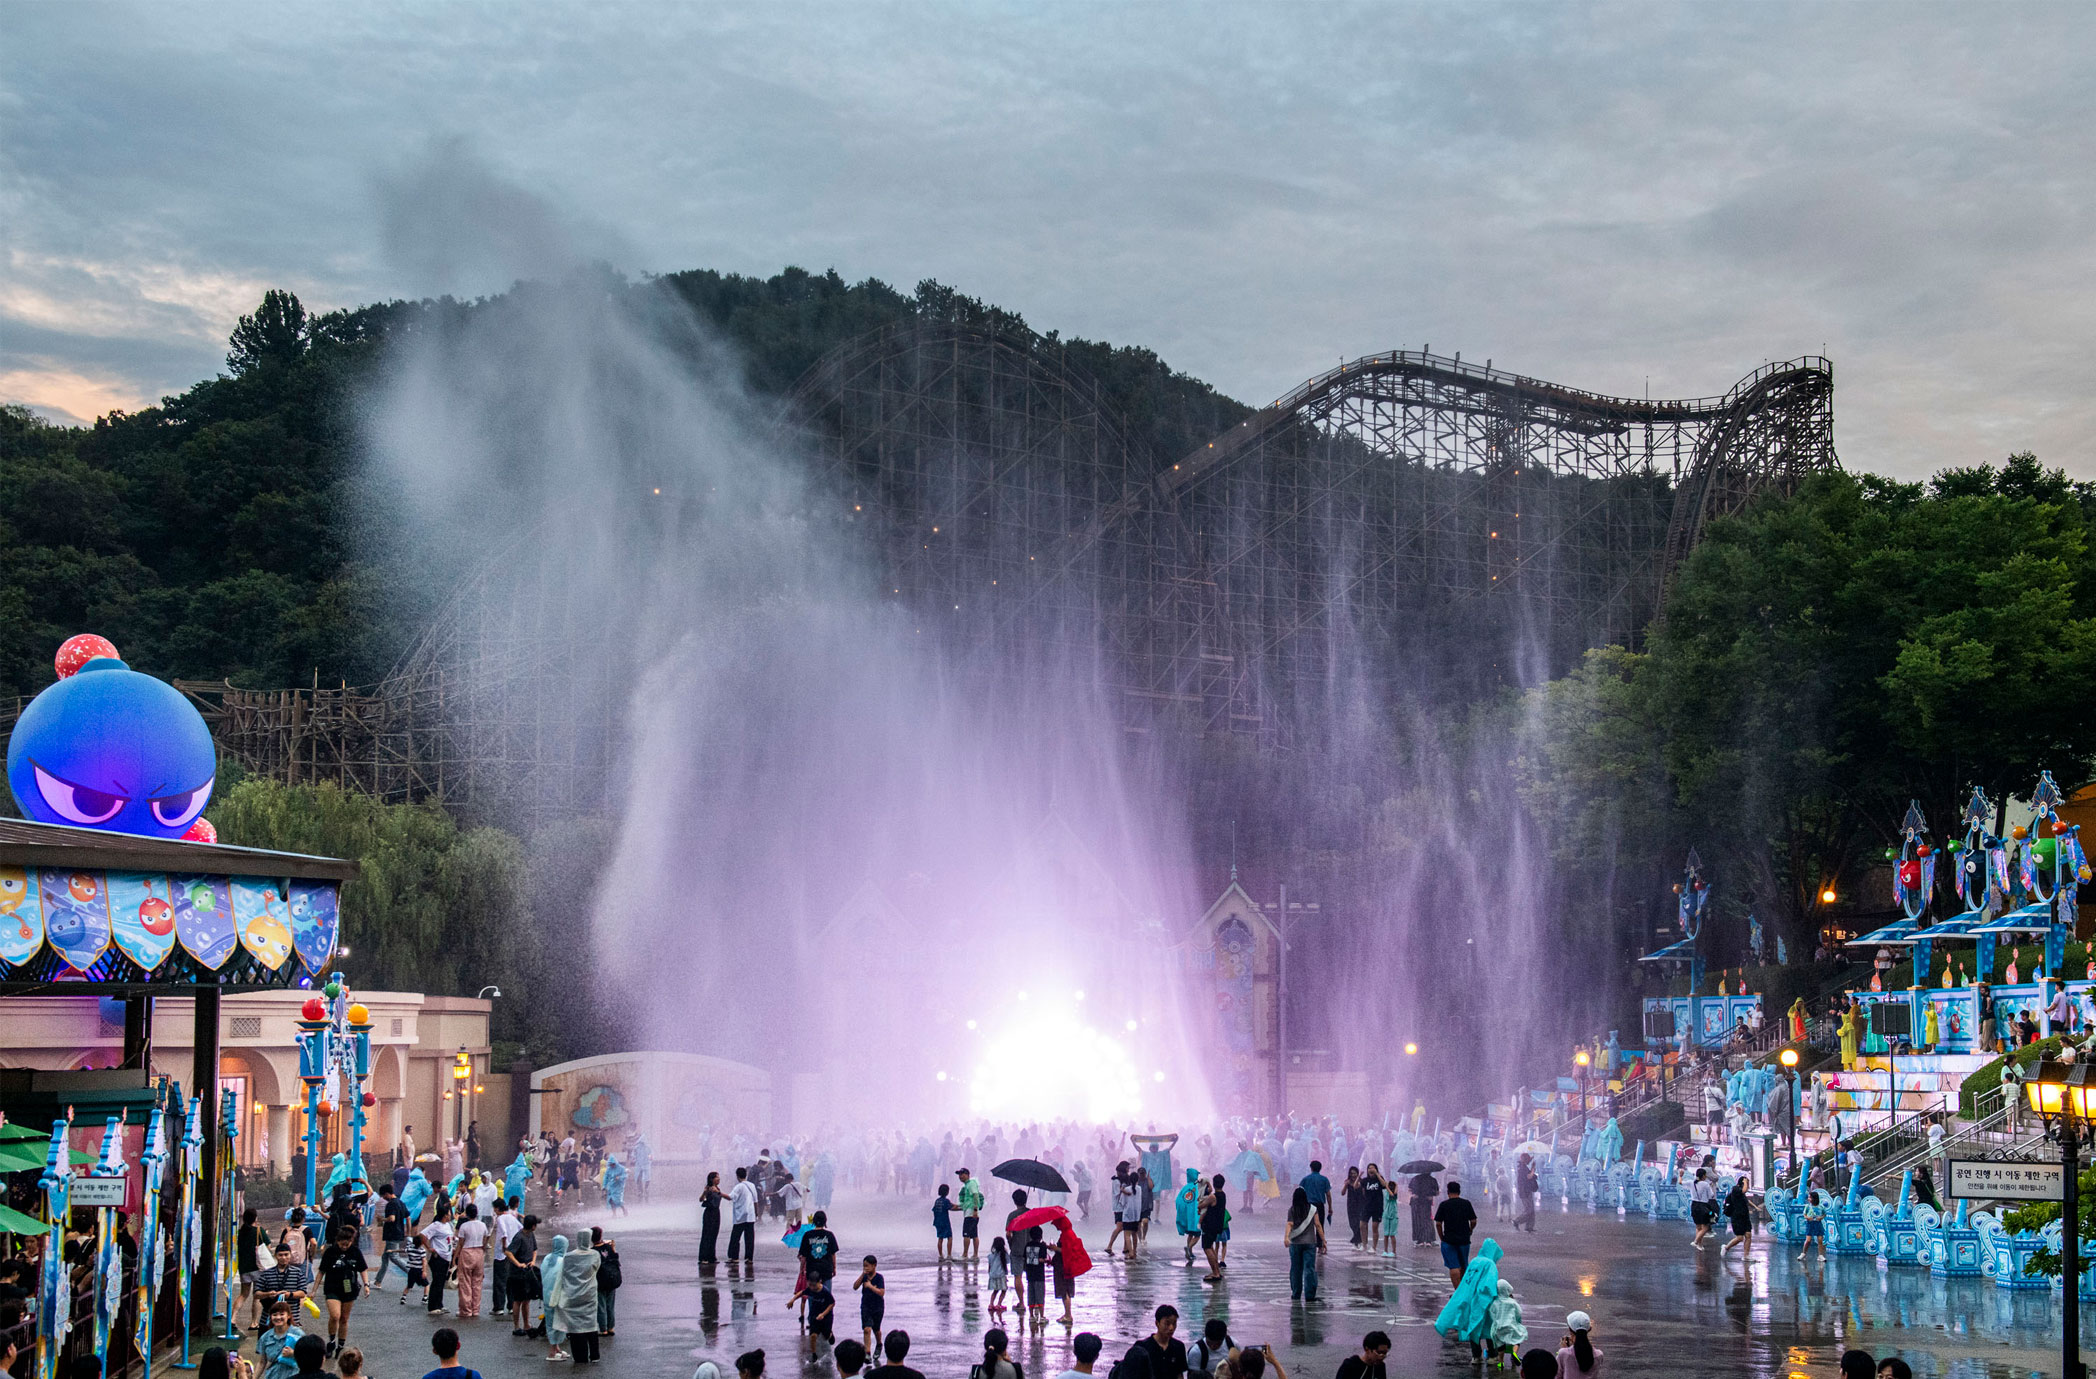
x: 1610, y: 197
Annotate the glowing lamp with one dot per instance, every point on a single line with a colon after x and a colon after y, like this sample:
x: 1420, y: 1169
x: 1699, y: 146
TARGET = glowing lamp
x: 313, y: 1009
x: 1411, y: 1048
x: 2056, y: 1086
x: 1827, y: 896
x: 1788, y: 1058
x: 939, y: 1076
x: 1157, y: 1076
x: 478, y: 1089
x: 1581, y: 1058
x: 1131, y: 1026
x: 260, y: 1108
x: 359, y: 1015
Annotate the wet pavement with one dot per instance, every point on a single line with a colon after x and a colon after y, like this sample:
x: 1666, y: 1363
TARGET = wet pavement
x: 1659, y: 1306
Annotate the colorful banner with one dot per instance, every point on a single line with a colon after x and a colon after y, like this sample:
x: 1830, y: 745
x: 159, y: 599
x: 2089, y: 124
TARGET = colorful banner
x: 21, y: 915
x: 76, y: 915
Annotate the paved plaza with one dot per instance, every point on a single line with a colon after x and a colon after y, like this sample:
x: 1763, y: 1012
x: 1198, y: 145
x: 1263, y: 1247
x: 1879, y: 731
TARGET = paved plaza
x: 1659, y: 1306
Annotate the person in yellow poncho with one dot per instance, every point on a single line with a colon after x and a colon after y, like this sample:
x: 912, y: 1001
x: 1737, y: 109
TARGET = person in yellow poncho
x: 1797, y: 1021
x: 1851, y: 1036
x: 1932, y: 1029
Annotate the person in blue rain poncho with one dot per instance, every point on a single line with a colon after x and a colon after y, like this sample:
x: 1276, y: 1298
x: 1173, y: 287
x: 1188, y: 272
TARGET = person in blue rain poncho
x: 644, y: 1165
x: 1468, y: 1315
x: 415, y: 1194
x: 516, y: 1175
x: 1186, y: 1211
x: 338, y: 1172
x: 1608, y: 1145
x: 615, y: 1184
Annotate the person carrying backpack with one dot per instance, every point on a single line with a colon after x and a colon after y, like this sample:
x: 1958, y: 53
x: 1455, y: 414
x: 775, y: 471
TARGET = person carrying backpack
x: 608, y: 1279
x: 1207, y: 1355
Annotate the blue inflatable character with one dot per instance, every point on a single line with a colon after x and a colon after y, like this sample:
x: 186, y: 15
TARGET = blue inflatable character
x: 109, y: 748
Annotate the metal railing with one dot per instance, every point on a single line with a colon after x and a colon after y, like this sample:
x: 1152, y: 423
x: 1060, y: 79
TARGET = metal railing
x: 1989, y: 1133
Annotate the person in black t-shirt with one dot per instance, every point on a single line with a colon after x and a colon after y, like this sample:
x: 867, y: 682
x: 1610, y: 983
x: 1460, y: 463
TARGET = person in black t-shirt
x: 1375, y: 1349
x: 342, y: 1270
x: 1034, y: 1258
x: 819, y: 1249
x: 1160, y: 1355
x: 822, y: 1315
x: 1215, y: 1219
x: 1454, y: 1219
x: 392, y: 1234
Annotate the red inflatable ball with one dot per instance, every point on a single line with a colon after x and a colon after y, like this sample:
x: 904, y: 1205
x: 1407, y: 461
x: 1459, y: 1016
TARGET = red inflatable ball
x: 202, y: 831
x: 370, y: 1099
x: 78, y: 651
x: 313, y: 1009
x: 327, y: 1109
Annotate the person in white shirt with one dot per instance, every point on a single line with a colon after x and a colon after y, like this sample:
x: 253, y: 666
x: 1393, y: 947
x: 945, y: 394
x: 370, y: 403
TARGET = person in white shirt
x: 790, y: 1201
x: 1703, y: 1205
x: 742, y: 1218
x: 470, y: 1261
x: 439, y: 1239
x: 508, y: 1225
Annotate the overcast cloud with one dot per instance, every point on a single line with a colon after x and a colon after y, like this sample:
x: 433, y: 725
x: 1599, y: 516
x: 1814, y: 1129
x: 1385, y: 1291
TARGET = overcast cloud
x: 1600, y: 196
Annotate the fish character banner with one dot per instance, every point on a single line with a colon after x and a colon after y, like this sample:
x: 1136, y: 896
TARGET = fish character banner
x: 142, y: 916
x: 21, y: 915
x: 263, y: 916
x: 315, y: 920
x: 204, y: 918
x: 76, y: 915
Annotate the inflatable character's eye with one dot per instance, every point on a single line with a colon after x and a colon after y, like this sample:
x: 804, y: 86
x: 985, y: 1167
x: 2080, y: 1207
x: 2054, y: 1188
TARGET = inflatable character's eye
x: 179, y: 811
x: 77, y: 803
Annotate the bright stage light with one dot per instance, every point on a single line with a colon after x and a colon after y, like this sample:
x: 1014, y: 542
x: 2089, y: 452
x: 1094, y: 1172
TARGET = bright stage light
x: 1157, y: 1076
x: 1049, y: 1067
x: 1131, y: 1026
x: 1080, y: 995
x: 941, y: 1075
x: 971, y: 1024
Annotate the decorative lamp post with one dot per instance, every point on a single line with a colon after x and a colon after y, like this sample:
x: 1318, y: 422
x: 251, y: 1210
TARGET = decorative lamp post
x: 357, y: 1050
x: 461, y: 1075
x: 1581, y: 1058
x: 2067, y: 1092
x: 1789, y: 1059
x: 313, y: 1072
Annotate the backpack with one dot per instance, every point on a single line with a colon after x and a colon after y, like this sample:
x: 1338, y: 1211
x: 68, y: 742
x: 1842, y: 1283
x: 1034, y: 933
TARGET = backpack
x: 608, y: 1275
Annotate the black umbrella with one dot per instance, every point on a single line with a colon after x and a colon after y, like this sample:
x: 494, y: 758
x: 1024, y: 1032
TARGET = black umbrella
x: 1031, y: 1173
x: 1421, y: 1166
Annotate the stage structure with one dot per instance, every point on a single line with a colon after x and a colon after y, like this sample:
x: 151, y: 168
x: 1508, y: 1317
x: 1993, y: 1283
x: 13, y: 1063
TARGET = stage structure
x: 1407, y: 523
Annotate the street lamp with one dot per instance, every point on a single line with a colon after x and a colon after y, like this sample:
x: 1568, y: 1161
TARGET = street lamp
x: 1581, y: 1059
x: 461, y: 1073
x: 2067, y: 1091
x: 1789, y: 1059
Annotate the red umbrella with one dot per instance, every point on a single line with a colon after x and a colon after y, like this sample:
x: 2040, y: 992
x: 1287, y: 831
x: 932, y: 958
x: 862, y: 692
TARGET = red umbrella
x: 1037, y: 1216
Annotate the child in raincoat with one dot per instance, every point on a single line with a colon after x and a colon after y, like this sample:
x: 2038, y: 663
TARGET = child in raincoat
x: 1507, y: 1333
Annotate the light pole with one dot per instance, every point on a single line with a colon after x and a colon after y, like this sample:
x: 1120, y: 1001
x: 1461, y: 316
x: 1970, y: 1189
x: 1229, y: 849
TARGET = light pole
x: 1789, y: 1059
x: 2067, y: 1091
x: 461, y: 1074
x: 1581, y: 1059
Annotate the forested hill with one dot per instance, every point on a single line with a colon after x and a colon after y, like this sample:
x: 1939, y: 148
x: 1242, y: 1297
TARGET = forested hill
x: 212, y: 537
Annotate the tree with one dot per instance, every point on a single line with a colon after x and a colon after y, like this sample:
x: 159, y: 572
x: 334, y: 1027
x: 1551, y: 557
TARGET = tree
x: 275, y: 333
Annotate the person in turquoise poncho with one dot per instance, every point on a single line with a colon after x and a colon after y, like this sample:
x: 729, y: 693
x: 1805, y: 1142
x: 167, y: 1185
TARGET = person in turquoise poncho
x: 337, y: 1173
x: 615, y: 1184
x: 1187, y: 1211
x: 1468, y: 1315
x: 515, y: 1176
x: 415, y: 1195
x: 1393, y: 1217
x: 1609, y: 1147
